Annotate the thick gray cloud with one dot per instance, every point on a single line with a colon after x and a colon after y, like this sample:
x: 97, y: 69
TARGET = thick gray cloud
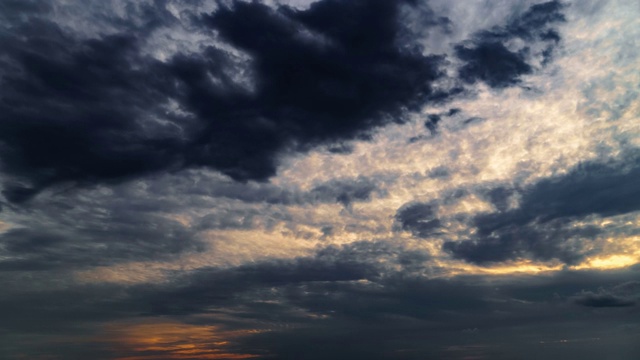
x: 345, y: 192
x: 605, y: 188
x: 622, y: 295
x: 549, y: 241
x: 487, y: 57
x: 103, y: 242
x: 105, y: 226
x: 419, y: 218
x: 108, y: 111
x: 539, y: 228
x: 342, y: 300
x: 321, y: 74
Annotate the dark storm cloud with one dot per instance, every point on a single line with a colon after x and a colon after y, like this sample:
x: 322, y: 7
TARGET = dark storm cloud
x: 539, y: 228
x: 94, y: 110
x: 544, y: 242
x: 419, y: 218
x: 623, y: 295
x: 432, y: 122
x: 345, y: 191
x: 100, y: 227
x: 439, y: 172
x: 88, y: 244
x: 70, y: 109
x: 492, y: 63
x: 488, y: 58
x: 595, y: 187
x: 10, y: 10
x: 500, y: 197
x: 602, y: 299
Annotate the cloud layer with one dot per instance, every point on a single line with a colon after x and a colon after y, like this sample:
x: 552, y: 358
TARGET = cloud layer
x: 319, y: 179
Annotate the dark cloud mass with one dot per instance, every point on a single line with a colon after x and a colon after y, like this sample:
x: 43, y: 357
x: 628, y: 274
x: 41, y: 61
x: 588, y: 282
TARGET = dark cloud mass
x: 95, y: 110
x: 345, y: 191
x: 488, y: 58
x: 419, y: 218
x: 591, y: 299
x: 622, y: 295
x: 538, y: 228
x: 551, y: 241
x: 62, y: 241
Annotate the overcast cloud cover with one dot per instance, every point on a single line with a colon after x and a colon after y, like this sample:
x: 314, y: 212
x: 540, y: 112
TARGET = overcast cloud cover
x: 331, y: 179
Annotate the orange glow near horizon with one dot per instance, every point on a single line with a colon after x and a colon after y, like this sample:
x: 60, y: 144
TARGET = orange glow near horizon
x: 173, y: 340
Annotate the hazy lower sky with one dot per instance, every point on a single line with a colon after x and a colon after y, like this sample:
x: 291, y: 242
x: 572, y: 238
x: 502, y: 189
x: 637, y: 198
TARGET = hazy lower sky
x: 332, y: 179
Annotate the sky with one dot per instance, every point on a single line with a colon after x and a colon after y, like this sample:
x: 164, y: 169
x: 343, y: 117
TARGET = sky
x: 329, y: 179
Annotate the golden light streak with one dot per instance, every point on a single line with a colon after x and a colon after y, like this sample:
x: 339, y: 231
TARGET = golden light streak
x: 520, y: 267
x: 526, y: 268
x: 609, y: 262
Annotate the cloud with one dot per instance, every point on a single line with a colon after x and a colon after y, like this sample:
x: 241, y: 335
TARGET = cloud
x: 501, y: 55
x: 89, y: 95
x: 353, y: 294
x: 99, y: 243
x: 398, y: 312
x: 345, y: 191
x: 626, y: 294
x: 443, y: 214
x: 610, y: 186
x: 107, y: 111
x: 204, y: 288
x: 602, y: 300
x: 537, y: 242
x: 493, y: 64
x: 419, y: 218
x: 540, y: 227
x: 99, y: 227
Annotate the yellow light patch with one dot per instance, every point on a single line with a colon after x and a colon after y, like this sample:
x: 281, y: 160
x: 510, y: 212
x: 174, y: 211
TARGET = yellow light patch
x: 609, y: 262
